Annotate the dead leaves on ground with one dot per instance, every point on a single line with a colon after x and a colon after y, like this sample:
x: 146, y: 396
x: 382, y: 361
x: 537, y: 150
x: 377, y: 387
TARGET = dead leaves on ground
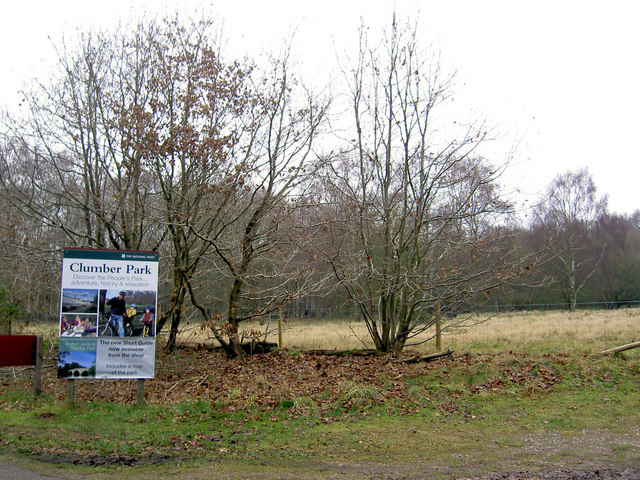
x: 313, y: 383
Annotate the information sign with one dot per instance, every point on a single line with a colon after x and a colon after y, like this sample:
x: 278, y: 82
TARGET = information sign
x: 107, y: 314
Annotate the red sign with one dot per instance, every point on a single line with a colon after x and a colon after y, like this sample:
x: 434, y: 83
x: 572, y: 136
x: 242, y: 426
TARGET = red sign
x: 17, y: 350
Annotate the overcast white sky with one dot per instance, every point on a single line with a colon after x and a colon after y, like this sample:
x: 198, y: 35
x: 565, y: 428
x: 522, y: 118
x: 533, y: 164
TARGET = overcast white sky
x: 560, y: 78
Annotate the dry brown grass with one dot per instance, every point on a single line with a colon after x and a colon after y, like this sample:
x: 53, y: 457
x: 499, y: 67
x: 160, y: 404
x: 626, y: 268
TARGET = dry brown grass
x: 560, y: 330
x: 586, y: 331
x: 583, y: 331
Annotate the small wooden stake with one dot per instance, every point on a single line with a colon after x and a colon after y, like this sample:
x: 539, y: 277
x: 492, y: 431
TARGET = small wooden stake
x: 140, y: 393
x: 280, y: 326
x: 37, y: 369
x: 438, y: 328
x: 70, y: 387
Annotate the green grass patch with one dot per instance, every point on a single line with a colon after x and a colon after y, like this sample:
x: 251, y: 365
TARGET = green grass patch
x: 474, y: 410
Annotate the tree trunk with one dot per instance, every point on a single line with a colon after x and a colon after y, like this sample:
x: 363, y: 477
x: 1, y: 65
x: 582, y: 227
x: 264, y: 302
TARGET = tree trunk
x: 573, y: 291
x: 234, y: 348
x: 176, y: 316
x: 173, y: 333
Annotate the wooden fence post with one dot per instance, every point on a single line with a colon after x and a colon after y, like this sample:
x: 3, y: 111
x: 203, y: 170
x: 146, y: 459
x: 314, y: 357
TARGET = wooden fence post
x: 280, y: 326
x: 438, y: 328
x: 37, y: 367
x: 70, y: 387
x: 140, y: 393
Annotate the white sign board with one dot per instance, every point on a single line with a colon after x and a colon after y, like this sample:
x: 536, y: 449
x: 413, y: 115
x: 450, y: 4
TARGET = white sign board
x: 107, y: 314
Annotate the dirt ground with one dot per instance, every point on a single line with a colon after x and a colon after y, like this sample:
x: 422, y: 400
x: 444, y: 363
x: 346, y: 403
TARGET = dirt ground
x: 596, y: 474
x: 17, y: 469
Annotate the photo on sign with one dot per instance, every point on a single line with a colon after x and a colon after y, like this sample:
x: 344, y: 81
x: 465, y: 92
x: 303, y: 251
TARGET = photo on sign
x: 127, y: 313
x: 77, y: 300
x: 76, y: 325
x: 76, y: 364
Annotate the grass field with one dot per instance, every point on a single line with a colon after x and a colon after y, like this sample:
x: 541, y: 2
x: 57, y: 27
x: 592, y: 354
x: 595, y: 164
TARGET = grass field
x: 583, y: 331
x: 522, y: 393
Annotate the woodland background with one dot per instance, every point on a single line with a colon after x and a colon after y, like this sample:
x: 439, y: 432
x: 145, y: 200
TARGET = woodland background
x: 262, y: 195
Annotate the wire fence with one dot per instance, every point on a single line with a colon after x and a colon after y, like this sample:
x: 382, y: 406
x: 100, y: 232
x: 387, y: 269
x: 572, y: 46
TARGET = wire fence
x: 510, y: 307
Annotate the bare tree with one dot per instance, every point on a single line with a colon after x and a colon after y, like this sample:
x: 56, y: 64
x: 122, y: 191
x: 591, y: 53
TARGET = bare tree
x: 65, y: 177
x: 191, y: 134
x: 568, y: 212
x: 257, y: 253
x: 136, y: 141
x: 150, y: 139
x: 616, y: 281
x: 76, y: 173
x: 411, y: 213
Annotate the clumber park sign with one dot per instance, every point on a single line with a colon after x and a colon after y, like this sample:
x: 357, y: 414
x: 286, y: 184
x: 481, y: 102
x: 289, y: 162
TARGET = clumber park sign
x: 107, y: 314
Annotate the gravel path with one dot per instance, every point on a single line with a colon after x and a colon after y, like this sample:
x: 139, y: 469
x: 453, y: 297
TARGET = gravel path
x: 12, y: 472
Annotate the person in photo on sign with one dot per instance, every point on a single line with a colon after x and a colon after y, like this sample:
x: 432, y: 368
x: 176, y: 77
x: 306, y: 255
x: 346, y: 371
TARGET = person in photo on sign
x: 78, y: 329
x: 118, y: 310
x: 65, y: 325
x: 147, y: 319
x: 89, y: 329
x: 132, y: 311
